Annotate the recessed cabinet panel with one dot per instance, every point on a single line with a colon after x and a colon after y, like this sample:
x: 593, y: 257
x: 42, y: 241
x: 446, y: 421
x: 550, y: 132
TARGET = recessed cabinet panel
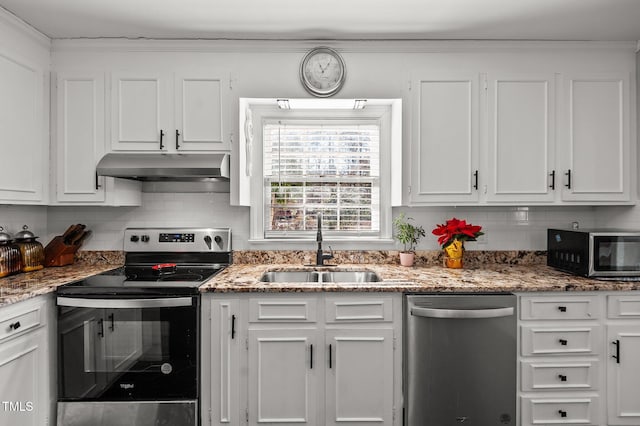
x: 80, y: 139
x: 359, y: 376
x: 623, y: 306
x: 21, y: 126
x: 446, y: 127
x: 199, y: 113
x: 282, y: 376
x: 623, y: 374
x: 597, y: 138
x: 559, y: 341
x: 560, y: 308
x: 521, y: 132
x: 138, y: 111
x: 563, y: 375
x: 576, y: 411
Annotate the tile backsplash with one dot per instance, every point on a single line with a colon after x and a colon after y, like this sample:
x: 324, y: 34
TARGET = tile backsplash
x: 506, y: 228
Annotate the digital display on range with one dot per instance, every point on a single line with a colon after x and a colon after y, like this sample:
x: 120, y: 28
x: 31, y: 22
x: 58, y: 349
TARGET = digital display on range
x: 176, y: 238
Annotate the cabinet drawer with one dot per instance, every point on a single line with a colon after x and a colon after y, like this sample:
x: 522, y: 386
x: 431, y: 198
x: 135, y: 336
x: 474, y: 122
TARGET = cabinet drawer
x: 15, y: 322
x: 559, y: 308
x: 623, y: 306
x: 552, y: 411
x: 553, y: 376
x: 538, y: 340
x: 359, y: 309
x: 289, y: 309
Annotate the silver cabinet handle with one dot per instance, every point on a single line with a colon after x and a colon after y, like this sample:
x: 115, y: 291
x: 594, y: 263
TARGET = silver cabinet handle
x: 167, y: 302
x: 461, y: 313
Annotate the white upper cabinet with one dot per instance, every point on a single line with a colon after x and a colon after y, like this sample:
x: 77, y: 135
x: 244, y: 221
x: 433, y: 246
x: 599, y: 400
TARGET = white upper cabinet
x: 521, y: 133
x: 168, y: 112
x: 80, y: 143
x: 25, y: 145
x: 444, y: 153
x: 596, y: 138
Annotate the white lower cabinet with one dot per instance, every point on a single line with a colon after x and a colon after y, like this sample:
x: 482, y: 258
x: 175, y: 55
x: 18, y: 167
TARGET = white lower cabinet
x: 623, y: 360
x: 302, y: 359
x: 560, y: 357
x: 26, y: 367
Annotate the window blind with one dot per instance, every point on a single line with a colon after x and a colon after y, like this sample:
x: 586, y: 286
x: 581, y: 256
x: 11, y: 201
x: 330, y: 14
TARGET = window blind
x: 311, y: 168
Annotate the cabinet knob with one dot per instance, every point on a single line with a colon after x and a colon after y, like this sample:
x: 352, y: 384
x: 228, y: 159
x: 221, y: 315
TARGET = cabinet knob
x: 563, y: 342
x: 14, y: 326
x: 562, y: 377
x: 562, y: 308
x: 562, y: 413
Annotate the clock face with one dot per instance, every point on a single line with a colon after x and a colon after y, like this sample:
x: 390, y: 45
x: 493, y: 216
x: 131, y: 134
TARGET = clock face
x: 322, y: 72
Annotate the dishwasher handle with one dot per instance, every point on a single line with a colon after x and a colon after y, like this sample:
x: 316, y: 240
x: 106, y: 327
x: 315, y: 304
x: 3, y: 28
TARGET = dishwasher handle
x: 462, y: 313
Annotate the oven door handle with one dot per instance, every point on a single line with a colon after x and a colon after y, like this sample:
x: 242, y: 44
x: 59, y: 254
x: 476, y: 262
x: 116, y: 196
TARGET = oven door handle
x: 461, y: 313
x: 167, y: 302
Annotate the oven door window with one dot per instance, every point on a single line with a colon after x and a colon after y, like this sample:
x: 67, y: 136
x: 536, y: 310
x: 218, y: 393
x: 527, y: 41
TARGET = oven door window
x: 616, y: 253
x: 122, y: 353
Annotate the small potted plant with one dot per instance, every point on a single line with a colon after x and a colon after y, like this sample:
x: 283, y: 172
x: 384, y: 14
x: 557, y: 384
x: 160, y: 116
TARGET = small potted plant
x: 409, y: 235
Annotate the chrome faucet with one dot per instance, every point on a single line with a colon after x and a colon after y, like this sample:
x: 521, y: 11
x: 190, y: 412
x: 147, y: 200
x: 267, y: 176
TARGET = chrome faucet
x: 320, y: 256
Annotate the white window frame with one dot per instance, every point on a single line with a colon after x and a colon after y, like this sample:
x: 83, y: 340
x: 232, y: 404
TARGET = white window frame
x: 390, y: 163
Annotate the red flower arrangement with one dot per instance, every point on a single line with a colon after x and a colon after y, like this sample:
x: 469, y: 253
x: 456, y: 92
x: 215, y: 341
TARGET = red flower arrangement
x: 455, y: 229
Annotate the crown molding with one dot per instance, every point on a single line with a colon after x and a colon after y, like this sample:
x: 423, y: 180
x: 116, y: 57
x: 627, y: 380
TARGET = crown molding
x: 13, y: 21
x: 297, y: 46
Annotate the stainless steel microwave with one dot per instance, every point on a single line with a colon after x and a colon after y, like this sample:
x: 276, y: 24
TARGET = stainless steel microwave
x: 602, y: 253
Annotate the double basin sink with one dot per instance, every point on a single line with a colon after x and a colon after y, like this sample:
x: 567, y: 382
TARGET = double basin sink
x: 320, y: 277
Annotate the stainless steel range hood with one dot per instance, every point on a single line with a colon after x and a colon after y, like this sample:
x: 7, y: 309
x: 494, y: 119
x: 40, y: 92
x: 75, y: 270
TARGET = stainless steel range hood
x: 155, y: 167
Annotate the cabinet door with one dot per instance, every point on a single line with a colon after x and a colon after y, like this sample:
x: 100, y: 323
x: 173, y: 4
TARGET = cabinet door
x: 623, y: 373
x: 444, y: 151
x: 596, y: 142
x: 223, y: 369
x: 284, y: 370
x: 359, y: 380
x: 199, y: 112
x: 140, y: 112
x: 24, y: 141
x: 23, y: 374
x: 521, y: 138
x: 80, y: 137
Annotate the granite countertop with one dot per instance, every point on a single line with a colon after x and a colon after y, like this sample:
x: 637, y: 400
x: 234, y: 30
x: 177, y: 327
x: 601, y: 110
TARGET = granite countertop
x: 16, y: 288
x: 395, y: 278
x: 484, y: 272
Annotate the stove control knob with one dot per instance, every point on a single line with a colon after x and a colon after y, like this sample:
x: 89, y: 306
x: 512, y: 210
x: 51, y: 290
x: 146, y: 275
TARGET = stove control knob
x: 134, y: 238
x: 145, y: 238
x: 218, y: 240
x: 207, y: 240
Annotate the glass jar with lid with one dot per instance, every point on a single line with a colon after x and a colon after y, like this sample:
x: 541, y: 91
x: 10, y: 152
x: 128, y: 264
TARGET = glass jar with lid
x: 10, y: 258
x: 31, y: 251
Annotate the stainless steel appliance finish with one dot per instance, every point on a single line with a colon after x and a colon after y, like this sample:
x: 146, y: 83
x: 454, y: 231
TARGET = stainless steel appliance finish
x: 460, y: 360
x: 597, y: 253
x: 149, y: 413
x: 157, y: 167
x: 128, y: 339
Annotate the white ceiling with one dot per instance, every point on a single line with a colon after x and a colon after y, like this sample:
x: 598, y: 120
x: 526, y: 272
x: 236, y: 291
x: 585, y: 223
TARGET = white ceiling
x: 334, y: 19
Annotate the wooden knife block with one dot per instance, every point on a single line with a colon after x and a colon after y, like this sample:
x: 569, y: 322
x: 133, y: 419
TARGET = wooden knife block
x: 57, y: 253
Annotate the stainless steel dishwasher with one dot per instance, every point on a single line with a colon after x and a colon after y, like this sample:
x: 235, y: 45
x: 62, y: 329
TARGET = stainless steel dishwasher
x: 460, y: 360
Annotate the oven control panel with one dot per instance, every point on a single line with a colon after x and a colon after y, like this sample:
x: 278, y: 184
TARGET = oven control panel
x: 177, y: 240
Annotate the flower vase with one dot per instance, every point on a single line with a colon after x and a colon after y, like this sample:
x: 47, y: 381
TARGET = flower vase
x: 453, y: 254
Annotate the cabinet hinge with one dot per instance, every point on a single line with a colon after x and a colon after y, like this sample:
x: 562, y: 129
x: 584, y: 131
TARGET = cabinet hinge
x: 246, y: 414
x: 409, y: 85
x: 246, y: 343
x: 394, y: 342
x: 485, y: 84
x: 231, y: 139
x: 393, y: 414
x: 210, y: 419
x: 409, y: 189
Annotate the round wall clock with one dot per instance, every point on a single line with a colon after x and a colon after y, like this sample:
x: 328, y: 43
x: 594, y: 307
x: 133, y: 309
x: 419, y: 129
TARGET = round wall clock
x: 322, y: 72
